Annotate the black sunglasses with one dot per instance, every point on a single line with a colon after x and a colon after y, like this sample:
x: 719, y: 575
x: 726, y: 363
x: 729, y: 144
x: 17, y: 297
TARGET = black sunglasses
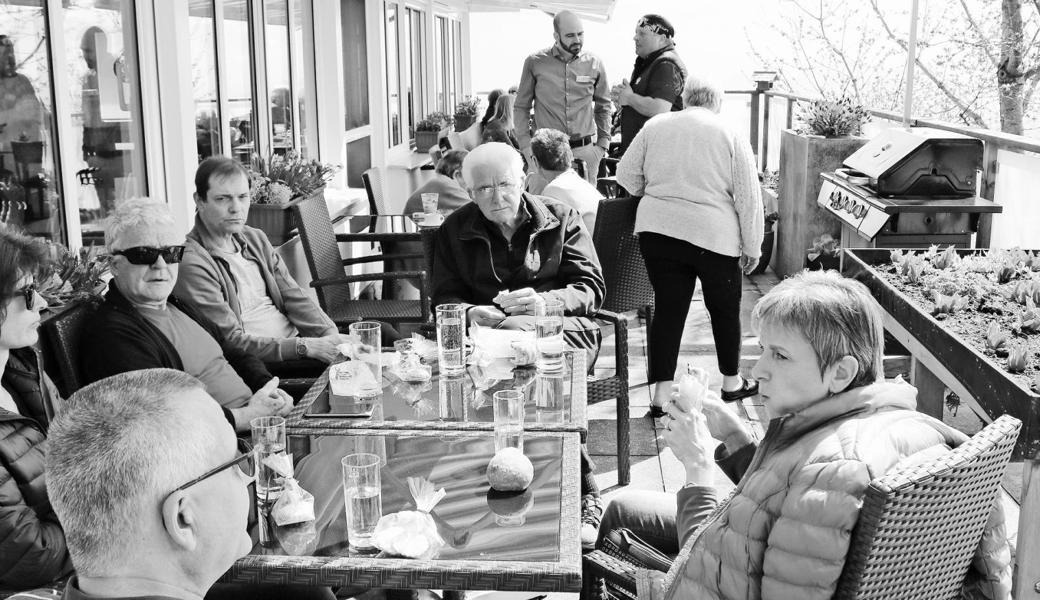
x: 28, y: 292
x: 245, y: 461
x: 147, y: 255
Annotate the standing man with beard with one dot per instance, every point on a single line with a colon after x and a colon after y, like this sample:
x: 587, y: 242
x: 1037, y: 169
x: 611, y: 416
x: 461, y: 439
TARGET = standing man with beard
x: 569, y: 92
x: 657, y: 78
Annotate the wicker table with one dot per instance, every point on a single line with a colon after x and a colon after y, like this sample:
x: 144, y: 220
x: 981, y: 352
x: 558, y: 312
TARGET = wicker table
x: 526, y: 541
x: 553, y: 403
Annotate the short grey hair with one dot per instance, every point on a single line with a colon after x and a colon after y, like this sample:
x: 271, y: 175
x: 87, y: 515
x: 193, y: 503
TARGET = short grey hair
x: 552, y: 149
x: 451, y: 162
x: 699, y: 91
x: 114, y: 452
x: 837, y: 315
x: 135, y: 214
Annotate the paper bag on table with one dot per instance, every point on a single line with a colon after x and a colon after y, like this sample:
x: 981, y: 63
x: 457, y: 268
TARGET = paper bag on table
x: 412, y: 533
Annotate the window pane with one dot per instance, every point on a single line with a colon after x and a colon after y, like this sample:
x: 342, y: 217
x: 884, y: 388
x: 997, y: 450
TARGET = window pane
x: 239, y: 69
x: 407, y: 66
x: 417, y: 91
x: 393, y: 87
x: 300, y: 23
x: 29, y: 195
x: 204, y: 78
x: 102, y: 72
x: 355, y: 64
x: 276, y: 38
x: 438, y: 67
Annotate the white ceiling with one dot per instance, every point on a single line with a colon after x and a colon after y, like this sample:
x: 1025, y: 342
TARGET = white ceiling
x: 594, y: 10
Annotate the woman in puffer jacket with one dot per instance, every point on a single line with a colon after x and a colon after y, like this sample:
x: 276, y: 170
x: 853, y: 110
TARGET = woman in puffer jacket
x: 835, y: 425
x: 32, y: 543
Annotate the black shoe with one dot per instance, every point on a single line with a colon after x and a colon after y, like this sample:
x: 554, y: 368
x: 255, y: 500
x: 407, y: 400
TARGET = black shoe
x: 749, y: 388
x: 591, y: 513
x: 656, y: 412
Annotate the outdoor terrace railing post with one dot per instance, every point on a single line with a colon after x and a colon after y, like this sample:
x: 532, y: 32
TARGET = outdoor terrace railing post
x: 987, y: 189
x: 765, y: 128
x: 756, y: 96
x: 790, y: 114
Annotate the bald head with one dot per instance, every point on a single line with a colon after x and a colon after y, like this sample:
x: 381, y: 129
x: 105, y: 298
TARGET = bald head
x: 568, y: 32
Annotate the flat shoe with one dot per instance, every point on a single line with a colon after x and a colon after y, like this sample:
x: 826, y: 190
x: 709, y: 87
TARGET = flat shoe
x: 749, y: 388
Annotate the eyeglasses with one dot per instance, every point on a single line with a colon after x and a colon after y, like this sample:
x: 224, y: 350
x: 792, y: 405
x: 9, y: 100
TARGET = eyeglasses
x: 245, y: 461
x: 486, y: 191
x: 147, y: 255
x: 28, y: 292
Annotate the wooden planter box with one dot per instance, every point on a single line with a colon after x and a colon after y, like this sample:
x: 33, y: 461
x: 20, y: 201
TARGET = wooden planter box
x: 987, y: 383
x: 802, y: 159
x: 276, y: 220
x: 463, y: 122
x: 424, y: 140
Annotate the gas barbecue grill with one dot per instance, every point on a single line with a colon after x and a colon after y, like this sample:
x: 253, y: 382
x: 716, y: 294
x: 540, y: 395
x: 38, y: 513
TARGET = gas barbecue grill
x: 908, y: 188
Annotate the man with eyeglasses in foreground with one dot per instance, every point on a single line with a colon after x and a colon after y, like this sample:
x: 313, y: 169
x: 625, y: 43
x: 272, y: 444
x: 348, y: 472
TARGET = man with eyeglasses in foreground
x: 141, y: 326
x: 151, y: 486
x: 507, y: 252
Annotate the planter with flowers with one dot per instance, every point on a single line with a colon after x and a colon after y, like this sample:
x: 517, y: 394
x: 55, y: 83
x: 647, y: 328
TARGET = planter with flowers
x: 466, y: 112
x: 277, y: 184
x: 830, y: 131
x: 428, y: 131
x: 72, y: 276
x: 824, y: 255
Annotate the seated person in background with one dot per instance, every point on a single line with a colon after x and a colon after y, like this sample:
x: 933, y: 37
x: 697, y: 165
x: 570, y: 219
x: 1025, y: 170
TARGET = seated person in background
x: 500, y: 128
x: 140, y: 326
x: 836, y: 425
x: 232, y: 275
x: 507, y: 252
x: 551, y: 150
x: 171, y: 515
x: 32, y: 545
x: 445, y: 183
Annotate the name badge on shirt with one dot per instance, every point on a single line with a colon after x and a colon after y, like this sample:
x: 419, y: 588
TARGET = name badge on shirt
x: 584, y: 78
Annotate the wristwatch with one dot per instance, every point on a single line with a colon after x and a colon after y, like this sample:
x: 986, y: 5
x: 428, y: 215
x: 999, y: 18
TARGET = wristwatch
x: 301, y: 348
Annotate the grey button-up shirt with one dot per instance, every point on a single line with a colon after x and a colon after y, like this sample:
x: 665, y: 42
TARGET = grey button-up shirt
x: 568, y: 93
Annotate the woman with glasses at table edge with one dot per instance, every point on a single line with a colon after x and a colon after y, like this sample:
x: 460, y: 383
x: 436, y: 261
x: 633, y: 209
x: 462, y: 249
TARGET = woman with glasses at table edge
x: 32, y: 550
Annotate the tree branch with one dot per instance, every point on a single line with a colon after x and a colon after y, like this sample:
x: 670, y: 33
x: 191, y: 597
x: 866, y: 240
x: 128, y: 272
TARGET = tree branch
x: 978, y: 31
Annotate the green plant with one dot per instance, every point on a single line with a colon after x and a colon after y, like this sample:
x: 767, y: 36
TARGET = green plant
x: 823, y: 246
x: 946, y: 259
x: 948, y: 304
x: 1018, y: 359
x: 833, y: 118
x: 995, y: 338
x: 435, y: 121
x: 70, y: 276
x: 467, y: 107
x: 283, y: 177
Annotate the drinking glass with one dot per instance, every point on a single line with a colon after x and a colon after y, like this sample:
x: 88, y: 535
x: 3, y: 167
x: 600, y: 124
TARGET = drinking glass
x: 429, y: 202
x: 550, y: 397
x: 362, y: 498
x: 368, y: 352
x: 450, y: 327
x: 509, y: 419
x: 268, y: 440
x: 548, y: 327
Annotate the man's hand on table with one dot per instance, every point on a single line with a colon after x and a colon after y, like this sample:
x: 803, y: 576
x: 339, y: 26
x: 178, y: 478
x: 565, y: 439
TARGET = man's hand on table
x: 486, y: 316
x: 325, y: 348
x: 524, y: 301
x: 267, y: 401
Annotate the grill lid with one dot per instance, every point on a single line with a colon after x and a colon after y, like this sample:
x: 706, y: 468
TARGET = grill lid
x: 920, y: 162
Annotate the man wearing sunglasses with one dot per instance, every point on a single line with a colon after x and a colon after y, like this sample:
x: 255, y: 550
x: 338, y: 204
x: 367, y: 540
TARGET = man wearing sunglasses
x: 141, y: 326
x: 151, y: 486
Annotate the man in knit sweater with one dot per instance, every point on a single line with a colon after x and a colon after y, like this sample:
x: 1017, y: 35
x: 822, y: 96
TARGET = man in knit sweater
x: 700, y: 218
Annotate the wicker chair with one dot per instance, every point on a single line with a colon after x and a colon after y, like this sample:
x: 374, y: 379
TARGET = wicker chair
x: 61, y: 348
x: 373, y: 180
x: 321, y: 247
x: 917, y: 531
x: 628, y: 288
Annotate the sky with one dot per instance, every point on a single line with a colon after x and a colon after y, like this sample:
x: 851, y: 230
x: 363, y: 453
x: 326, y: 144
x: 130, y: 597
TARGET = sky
x: 709, y: 36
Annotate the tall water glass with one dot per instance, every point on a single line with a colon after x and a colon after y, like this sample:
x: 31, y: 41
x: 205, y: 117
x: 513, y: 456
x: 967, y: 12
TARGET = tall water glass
x: 429, y: 202
x: 509, y: 419
x: 548, y: 327
x: 550, y: 397
x: 368, y: 352
x: 363, y: 499
x: 450, y: 328
x: 268, y: 440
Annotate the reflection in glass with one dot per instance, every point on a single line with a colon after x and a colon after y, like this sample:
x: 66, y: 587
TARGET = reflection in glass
x: 438, y: 67
x: 239, y: 69
x: 106, y: 111
x: 414, y: 67
x: 355, y: 65
x: 298, y: 59
x: 204, y: 78
x: 276, y: 39
x: 29, y: 196
x: 393, y: 64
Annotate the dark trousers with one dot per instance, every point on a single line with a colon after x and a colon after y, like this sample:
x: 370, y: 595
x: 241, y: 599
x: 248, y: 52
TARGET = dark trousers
x: 674, y: 266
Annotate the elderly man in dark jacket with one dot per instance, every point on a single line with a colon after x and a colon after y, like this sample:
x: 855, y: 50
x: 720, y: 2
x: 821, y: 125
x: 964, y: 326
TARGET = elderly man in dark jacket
x: 140, y: 326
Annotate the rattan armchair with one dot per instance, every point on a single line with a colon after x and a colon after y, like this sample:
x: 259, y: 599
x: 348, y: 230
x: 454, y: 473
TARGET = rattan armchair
x: 628, y: 288
x: 61, y: 336
x: 917, y: 531
x: 329, y: 278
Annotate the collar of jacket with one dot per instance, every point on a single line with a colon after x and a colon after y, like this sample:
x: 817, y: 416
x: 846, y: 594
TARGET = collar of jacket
x: 564, y: 55
x: 119, y: 301
x: 541, y: 219
x: 880, y: 395
x: 21, y: 362
x: 201, y: 235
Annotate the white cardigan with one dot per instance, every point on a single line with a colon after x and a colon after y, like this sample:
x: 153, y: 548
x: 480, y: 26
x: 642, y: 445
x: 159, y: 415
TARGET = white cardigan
x: 698, y: 180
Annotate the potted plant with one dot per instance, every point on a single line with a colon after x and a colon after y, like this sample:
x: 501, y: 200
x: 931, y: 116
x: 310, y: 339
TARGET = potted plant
x: 768, y: 237
x: 428, y: 131
x: 466, y: 112
x: 828, y: 134
x: 825, y: 254
x: 276, y: 184
x: 73, y: 276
